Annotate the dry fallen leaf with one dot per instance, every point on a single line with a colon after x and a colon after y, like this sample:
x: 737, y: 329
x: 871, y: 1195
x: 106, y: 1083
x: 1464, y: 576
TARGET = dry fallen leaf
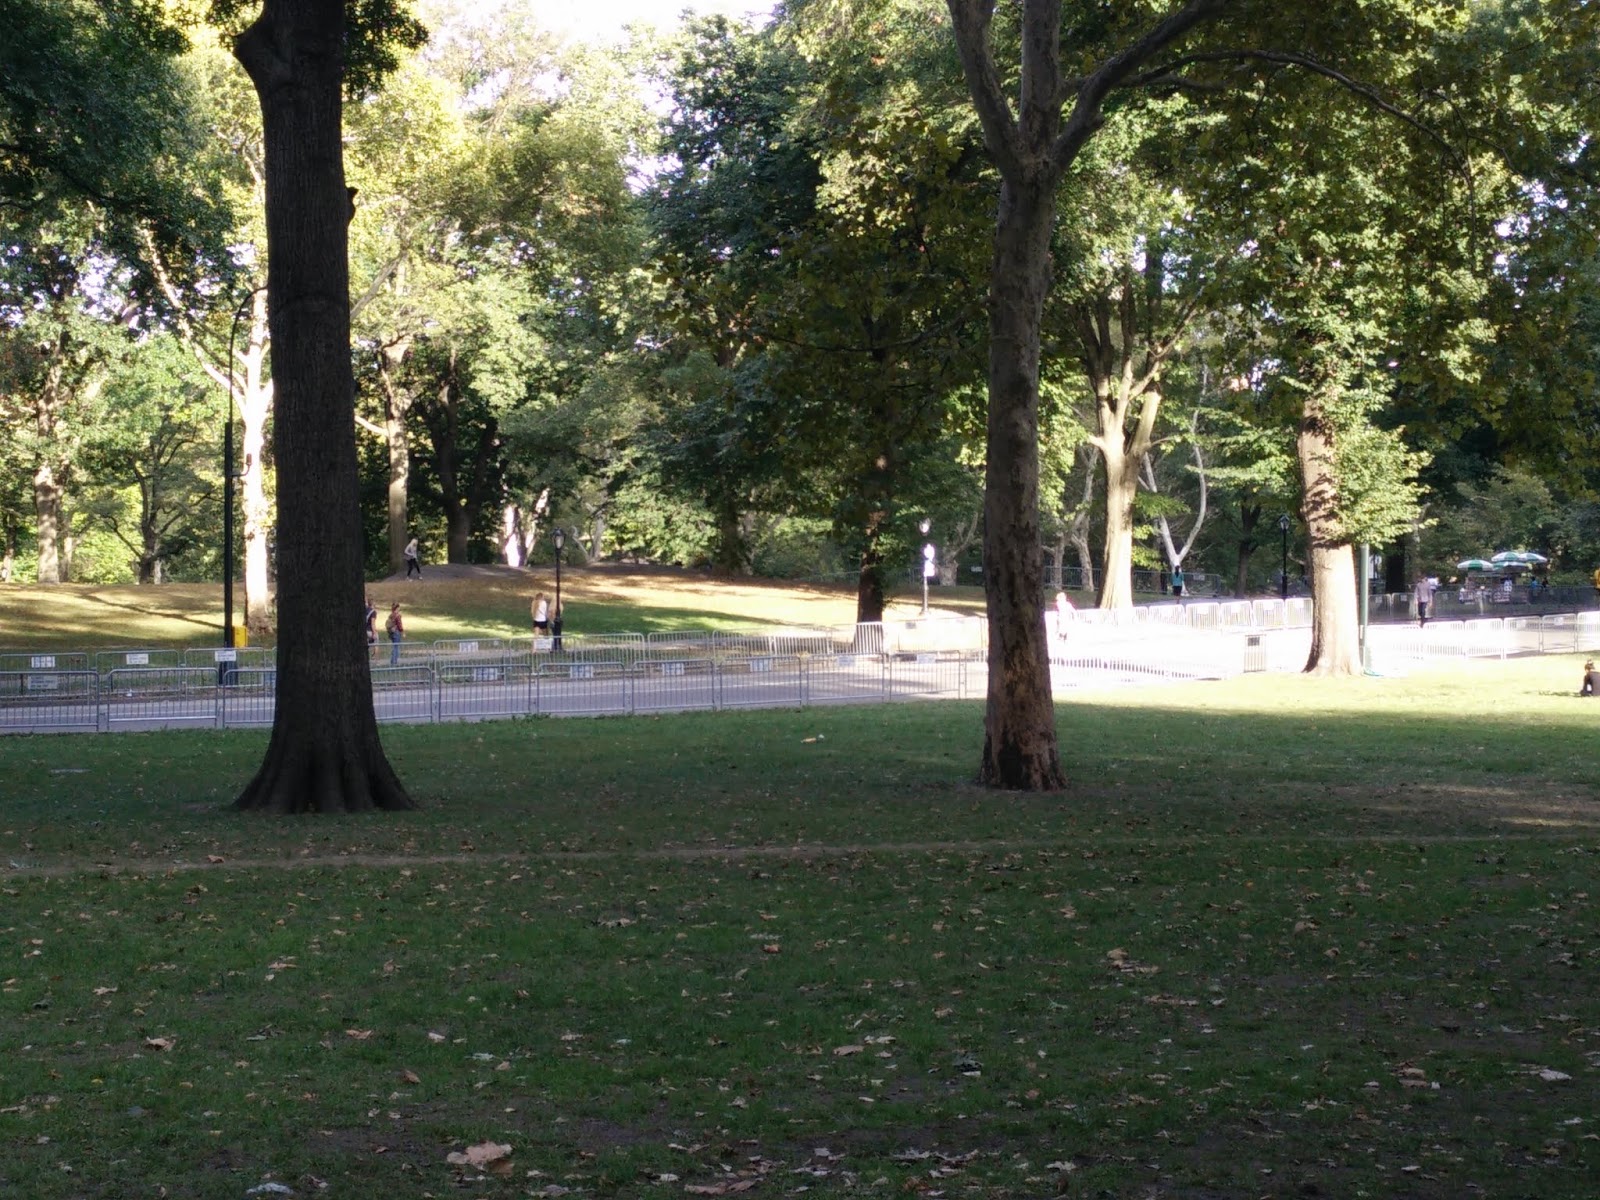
x: 841, y: 1051
x: 410, y: 1077
x: 481, y: 1155
x: 359, y: 1035
x: 161, y: 1043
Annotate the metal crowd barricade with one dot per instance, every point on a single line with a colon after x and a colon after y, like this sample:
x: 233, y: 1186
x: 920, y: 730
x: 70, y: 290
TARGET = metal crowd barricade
x: 254, y: 657
x: 926, y: 675
x: 160, y: 696
x: 788, y: 641
x: 249, y: 698
x: 23, y: 661
x: 490, y: 686
x: 844, y: 679
x: 404, y: 693
x: 566, y: 689
x: 692, y: 644
x: 602, y: 647
x: 762, y: 681
x: 49, y: 700
x: 676, y: 685
x: 109, y: 660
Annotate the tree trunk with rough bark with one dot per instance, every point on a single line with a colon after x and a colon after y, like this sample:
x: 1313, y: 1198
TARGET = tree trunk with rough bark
x: 324, y: 754
x: 1335, y: 630
x: 1121, y: 488
x: 1032, y: 146
x: 1019, y: 746
x: 255, y: 405
x: 396, y: 404
x: 47, y: 493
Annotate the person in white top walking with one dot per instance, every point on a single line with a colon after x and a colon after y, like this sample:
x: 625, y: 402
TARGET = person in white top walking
x: 1422, y: 594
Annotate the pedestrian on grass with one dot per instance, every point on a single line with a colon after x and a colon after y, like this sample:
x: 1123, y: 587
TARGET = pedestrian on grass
x: 372, y: 623
x: 396, y: 628
x: 541, y: 615
x: 413, y: 564
x: 1422, y: 594
x: 1591, y: 680
x: 1177, y: 582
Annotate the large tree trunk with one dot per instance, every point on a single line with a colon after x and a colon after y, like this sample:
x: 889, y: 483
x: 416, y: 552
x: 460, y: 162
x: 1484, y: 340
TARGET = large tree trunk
x: 1335, y: 632
x: 1019, y: 746
x: 255, y: 404
x: 869, y: 584
x: 324, y: 754
x: 1249, y: 518
x: 47, y: 493
x: 396, y: 404
x: 1122, y: 486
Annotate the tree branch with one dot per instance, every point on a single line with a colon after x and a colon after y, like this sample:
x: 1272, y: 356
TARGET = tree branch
x: 971, y: 19
x: 1116, y: 70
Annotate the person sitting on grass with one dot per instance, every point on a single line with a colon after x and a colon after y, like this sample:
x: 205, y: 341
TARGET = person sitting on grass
x: 1591, y: 680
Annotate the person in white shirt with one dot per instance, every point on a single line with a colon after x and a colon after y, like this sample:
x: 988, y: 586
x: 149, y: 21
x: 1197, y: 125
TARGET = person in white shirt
x: 1422, y: 594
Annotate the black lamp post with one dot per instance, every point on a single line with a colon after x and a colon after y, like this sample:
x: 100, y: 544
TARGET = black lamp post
x: 928, y: 553
x: 558, y: 537
x: 1283, y: 528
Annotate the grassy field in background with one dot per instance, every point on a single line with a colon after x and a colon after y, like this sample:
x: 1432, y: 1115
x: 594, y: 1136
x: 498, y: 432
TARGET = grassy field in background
x: 1282, y: 937
x: 453, y: 601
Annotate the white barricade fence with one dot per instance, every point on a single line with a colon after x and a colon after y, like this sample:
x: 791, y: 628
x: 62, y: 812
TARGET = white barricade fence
x: 569, y: 689
x: 762, y: 681
x: 160, y: 695
x: 495, y: 684
x: 602, y: 647
x: 925, y: 675
x: 690, y: 644
x: 109, y: 660
x: 49, y: 700
x: 239, y: 656
x: 676, y: 685
x: 403, y: 693
x: 250, y: 697
x: 16, y: 662
x: 844, y: 679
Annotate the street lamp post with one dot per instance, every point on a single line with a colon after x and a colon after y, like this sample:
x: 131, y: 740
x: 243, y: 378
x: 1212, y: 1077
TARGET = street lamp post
x: 928, y: 566
x: 1283, y: 528
x: 558, y: 537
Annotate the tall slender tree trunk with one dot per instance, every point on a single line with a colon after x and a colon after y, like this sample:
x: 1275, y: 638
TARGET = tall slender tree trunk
x: 1335, y: 632
x: 1121, y: 489
x: 396, y: 404
x: 255, y: 405
x: 1019, y: 746
x: 1249, y: 518
x: 324, y: 754
x: 47, y: 493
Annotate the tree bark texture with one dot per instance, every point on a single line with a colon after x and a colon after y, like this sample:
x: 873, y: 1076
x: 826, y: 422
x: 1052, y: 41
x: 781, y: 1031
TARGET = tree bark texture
x: 1335, y: 630
x: 324, y: 754
x: 47, y: 493
x: 1121, y: 487
x: 1019, y: 747
x: 255, y: 405
x: 396, y: 404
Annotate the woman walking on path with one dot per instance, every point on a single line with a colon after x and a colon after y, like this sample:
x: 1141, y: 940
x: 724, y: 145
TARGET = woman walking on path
x: 413, y: 564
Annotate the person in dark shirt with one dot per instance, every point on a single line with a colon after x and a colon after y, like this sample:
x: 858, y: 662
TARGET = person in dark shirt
x: 1591, y: 680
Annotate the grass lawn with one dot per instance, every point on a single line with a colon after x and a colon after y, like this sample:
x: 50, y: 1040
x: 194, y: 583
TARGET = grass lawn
x: 1282, y: 938
x: 455, y: 601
